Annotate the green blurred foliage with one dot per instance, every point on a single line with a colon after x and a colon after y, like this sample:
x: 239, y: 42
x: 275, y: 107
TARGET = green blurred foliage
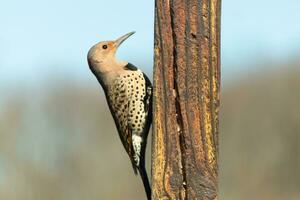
x: 61, y: 143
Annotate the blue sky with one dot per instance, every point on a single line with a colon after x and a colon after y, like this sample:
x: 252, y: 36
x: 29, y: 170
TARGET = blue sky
x: 51, y: 38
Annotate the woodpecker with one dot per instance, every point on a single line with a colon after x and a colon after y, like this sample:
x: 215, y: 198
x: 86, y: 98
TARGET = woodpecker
x: 128, y: 93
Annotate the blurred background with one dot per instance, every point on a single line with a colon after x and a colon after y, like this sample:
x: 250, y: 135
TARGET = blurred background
x: 58, y: 140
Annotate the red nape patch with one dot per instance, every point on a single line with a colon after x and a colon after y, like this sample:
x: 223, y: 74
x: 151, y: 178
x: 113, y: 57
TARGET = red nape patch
x: 110, y: 44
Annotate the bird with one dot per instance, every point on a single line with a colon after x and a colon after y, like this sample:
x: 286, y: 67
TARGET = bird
x: 128, y: 94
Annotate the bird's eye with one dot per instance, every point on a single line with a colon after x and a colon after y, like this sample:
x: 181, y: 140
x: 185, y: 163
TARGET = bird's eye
x: 104, y: 46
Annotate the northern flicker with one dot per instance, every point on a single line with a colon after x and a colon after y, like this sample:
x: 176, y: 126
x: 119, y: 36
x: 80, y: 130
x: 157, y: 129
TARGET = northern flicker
x: 128, y: 93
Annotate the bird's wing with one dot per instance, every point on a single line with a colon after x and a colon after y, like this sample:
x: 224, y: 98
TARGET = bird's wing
x: 119, y: 107
x: 148, y: 99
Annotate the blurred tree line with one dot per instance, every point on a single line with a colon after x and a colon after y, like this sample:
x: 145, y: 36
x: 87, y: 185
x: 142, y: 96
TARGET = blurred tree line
x: 60, y: 142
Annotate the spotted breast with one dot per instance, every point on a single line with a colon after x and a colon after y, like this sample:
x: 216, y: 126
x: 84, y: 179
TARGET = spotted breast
x: 130, y: 97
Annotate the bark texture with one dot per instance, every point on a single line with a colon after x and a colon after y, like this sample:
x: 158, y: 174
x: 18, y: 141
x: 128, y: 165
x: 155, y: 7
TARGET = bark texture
x: 186, y: 99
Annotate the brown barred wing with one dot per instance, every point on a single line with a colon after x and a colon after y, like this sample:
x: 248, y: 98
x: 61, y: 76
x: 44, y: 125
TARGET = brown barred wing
x: 119, y: 107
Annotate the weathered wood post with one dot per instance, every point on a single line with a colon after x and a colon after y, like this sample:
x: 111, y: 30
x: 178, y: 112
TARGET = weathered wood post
x: 186, y: 99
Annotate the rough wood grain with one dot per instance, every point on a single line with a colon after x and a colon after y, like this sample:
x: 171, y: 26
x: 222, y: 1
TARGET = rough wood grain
x: 186, y: 99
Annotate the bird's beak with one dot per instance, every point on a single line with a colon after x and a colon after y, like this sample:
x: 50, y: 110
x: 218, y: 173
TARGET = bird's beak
x: 120, y: 40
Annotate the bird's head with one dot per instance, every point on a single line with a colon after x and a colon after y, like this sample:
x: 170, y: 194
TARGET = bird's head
x: 101, y: 57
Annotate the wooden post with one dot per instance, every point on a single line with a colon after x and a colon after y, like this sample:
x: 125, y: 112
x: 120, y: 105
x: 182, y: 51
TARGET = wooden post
x: 186, y: 99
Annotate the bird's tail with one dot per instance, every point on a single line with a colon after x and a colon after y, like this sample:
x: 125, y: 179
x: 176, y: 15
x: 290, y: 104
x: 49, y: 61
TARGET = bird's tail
x: 143, y: 172
x: 144, y: 176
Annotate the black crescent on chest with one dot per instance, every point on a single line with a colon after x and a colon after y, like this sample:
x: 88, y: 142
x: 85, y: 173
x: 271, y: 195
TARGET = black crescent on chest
x: 148, y: 88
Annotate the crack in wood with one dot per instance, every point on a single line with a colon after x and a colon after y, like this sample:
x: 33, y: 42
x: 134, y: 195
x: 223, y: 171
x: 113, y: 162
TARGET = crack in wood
x: 178, y: 109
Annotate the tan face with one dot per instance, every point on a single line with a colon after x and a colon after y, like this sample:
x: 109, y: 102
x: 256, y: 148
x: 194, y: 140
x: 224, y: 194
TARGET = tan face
x: 101, y: 57
x: 102, y: 51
